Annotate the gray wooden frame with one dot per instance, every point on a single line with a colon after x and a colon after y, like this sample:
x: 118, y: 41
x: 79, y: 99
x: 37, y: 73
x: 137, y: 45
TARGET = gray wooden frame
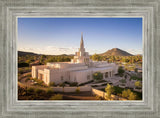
x: 149, y: 107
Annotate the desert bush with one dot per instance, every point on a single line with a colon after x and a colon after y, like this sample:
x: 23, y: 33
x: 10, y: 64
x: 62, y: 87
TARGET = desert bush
x: 74, y: 84
x: 30, y: 90
x: 23, y: 64
x: 97, y: 76
x: 129, y: 94
x: 39, y: 91
x: 126, y: 93
x: 109, y: 90
x: 138, y: 84
x: 57, y: 97
x: 62, y: 84
x: 77, y: 90
x: 50, y: 91
x: 135, y: 78
x: 132, y: 96
x: 51, y: 84
x: 121, y: 71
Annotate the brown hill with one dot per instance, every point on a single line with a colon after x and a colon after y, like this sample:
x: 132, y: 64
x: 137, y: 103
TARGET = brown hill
x: 116, y: 52
x: 21, y: 53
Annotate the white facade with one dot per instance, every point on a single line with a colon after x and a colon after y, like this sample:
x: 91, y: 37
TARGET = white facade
x: 80, y: 69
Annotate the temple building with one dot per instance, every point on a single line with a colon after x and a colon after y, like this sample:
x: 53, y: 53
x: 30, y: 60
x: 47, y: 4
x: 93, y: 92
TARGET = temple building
x: 80, y: 69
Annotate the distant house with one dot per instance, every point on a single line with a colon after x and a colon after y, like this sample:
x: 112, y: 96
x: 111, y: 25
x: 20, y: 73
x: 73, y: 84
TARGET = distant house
x: 80, y: 69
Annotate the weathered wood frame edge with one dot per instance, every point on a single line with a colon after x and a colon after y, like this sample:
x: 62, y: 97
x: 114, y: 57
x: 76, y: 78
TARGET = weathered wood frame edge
x: 10, y: 11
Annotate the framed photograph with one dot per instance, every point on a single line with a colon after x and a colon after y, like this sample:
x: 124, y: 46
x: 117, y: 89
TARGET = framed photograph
x: 79, y: 58
x: 47, y: 72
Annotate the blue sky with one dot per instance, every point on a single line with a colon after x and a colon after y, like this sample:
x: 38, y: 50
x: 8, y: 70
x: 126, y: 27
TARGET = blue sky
x: 63, y: 35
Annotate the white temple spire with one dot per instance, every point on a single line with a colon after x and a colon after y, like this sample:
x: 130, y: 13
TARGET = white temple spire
x: 82, y: 44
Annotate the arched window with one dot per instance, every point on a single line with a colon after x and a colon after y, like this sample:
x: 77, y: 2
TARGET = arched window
x: 106, y: 75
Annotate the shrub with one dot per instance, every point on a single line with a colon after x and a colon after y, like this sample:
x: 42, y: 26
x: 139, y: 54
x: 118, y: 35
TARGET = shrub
x: 23, y: 64
x: 39, y: 91
x: 136, y: 70
x: 129, y: 94
x: 30, y: 90
x: 66, y: 82
x: 74, y: 84
x: 121, y: 71
x: 135, y: 78
x: 77, y: 90
x: 118, y: 90
x: 138, y: 84
x: 132, y: 96
x: 124, y: 94
x: 97, y: 76
x: 62, y: 84
x: 109, y: 90
x: 57, y: 97
x: 50, y: 91
x: 51, y: 84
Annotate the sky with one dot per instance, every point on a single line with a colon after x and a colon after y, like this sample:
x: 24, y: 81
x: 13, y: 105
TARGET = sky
x: 55, y: 36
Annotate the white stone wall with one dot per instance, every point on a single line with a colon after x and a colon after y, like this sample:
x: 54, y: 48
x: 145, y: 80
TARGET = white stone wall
x: 35, y: 70
x: 80, y: 76
x: 71, y: 72
x: 46, y: 78
x: 71, y: 89
x: 59, y: 76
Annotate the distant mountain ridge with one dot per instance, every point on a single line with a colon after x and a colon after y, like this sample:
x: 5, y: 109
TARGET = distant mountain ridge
x: 21, y: 53
x: 116, y: 52
x: 112, y: 52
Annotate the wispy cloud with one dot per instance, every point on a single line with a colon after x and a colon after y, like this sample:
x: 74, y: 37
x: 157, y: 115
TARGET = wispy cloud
x: 134, y: 51
x: 51, y: 50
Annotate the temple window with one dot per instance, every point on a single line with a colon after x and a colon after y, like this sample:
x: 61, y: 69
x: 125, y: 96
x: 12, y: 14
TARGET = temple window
x: 106, y: 75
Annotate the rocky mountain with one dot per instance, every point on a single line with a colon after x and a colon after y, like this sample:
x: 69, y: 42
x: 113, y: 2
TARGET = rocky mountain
x: 116, y: 52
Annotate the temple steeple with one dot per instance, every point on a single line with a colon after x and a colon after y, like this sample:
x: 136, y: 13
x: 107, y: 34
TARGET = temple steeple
x: 81, y: 56
x: 81, y: 44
